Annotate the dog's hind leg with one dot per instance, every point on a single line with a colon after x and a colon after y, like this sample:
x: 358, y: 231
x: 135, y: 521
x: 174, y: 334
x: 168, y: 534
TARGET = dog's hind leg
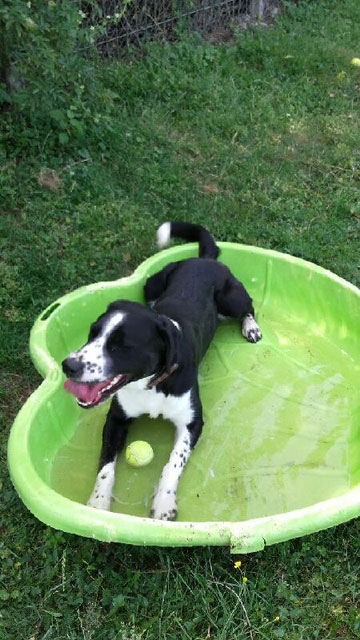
x: 250, y: 328
x: 113, y: 439
x: 233, y: 300
x: 157, y: 283
x: 164, y: 506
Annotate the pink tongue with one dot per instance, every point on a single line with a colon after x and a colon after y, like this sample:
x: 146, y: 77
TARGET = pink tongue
x: 86, y: 392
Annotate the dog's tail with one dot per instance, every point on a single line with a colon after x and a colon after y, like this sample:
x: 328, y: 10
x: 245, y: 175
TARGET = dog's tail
x: 191, y: 233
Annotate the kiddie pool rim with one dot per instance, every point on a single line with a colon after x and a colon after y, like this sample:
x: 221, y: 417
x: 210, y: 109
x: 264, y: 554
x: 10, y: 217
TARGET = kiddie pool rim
x: 61, y: 513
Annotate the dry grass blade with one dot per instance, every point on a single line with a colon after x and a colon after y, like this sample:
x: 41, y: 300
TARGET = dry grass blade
x: 49, y: 179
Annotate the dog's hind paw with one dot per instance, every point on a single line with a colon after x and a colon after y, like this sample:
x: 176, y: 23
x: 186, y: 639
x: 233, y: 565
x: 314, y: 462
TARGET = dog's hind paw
x: 250, y: 329
x: 254, y: 335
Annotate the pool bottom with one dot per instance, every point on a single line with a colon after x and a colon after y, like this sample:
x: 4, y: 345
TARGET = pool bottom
x: 279, y: 432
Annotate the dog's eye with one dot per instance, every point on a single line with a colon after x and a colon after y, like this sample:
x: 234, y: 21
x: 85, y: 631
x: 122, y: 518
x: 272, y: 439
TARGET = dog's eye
x: 113, y: 346
x: 115, y: 343
x: 116, y: 340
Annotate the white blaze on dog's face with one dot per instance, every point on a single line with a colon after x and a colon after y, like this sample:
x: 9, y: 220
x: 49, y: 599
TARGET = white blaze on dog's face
x: 94, y: 354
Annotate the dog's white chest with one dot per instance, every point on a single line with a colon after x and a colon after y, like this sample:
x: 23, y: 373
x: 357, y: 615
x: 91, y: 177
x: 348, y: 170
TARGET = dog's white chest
x: 136, y: 400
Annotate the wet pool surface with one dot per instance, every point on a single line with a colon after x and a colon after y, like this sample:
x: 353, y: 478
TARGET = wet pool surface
x: 281, y: 430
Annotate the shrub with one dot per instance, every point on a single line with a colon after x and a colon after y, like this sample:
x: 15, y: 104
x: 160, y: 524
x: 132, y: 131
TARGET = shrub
x: 51, y: 94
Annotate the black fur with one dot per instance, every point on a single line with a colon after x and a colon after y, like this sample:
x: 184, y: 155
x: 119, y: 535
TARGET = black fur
x: 193, y: 292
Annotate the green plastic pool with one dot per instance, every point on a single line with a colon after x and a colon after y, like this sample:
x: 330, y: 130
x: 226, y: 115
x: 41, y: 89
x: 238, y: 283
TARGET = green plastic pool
x: 280, y: 452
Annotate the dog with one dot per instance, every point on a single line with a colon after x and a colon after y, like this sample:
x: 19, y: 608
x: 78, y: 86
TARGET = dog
x: 147, y: 357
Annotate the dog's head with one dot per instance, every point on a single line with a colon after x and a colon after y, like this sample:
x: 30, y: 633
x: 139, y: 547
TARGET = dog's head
x: 126, y: 343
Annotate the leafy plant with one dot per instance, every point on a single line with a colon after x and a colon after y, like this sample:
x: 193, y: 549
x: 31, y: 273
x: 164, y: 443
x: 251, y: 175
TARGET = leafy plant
x: 51, y: 93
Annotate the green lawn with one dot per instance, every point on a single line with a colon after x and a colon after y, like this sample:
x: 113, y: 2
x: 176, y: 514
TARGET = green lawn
x: 259, y: 140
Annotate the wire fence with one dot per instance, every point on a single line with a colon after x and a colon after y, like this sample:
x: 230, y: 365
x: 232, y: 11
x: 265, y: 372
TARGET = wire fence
x: 133, y: 22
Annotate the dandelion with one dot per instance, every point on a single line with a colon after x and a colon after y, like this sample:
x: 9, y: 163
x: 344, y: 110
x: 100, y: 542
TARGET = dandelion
x: 277, y: 619
x: 237, y: 564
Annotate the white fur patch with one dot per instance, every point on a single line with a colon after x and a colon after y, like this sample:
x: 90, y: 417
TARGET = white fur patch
x: 102, y: 492
x: 93, y: 353
x: 250, y: 329
x: 163, y: 235
x: 136, y: 400
x: 164, y: 506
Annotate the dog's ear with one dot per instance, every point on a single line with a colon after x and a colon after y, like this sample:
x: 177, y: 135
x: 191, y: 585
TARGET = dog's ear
x: 171, y: 337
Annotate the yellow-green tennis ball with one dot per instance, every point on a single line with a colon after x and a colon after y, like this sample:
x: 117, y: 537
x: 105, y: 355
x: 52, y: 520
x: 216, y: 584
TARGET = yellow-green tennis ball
x: 139, y: 453
x: 355, y: 62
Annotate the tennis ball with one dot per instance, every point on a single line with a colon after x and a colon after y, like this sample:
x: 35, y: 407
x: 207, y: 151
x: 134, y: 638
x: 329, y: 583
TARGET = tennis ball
x: 139, y: 453
x: 355, y: 62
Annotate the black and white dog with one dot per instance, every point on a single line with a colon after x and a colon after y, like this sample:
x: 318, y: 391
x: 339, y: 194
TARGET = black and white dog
x: 147, y: 358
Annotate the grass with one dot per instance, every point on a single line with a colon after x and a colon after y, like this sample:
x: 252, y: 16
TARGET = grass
x: 259, y: 140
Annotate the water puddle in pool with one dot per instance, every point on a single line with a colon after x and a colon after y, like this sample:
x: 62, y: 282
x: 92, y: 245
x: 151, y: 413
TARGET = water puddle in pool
x: 281, y: 420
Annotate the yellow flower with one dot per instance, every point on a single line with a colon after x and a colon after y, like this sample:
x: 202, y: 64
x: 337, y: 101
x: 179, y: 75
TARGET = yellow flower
x: 277, y: 619
x: 245, y: 579
x: 237, y: 564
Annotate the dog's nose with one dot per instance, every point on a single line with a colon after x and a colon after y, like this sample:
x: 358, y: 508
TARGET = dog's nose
x: 72, y: 366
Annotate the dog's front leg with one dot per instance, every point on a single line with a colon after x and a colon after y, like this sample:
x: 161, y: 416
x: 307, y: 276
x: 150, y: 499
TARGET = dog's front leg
x: 164, y: 506
x: 113, y: 439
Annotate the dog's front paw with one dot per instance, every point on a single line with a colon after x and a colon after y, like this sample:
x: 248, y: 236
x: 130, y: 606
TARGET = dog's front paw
x: 250, y: 329
x: 98, y: 501
x: 164, y: 506
x: 102, y: 491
